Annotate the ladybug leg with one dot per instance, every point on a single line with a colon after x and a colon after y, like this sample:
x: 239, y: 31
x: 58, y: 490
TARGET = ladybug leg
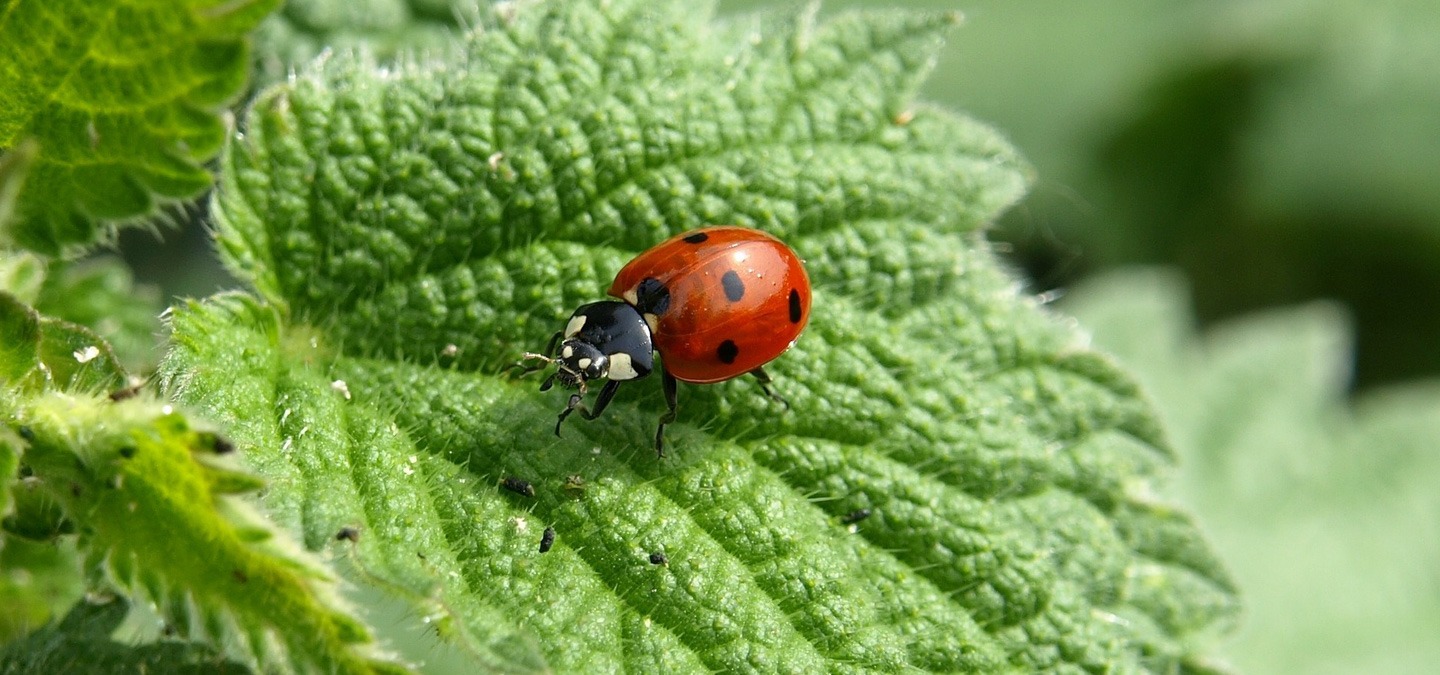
x: 764, y: 379
x: 668, y: 384
x: 543, y: 358
x: 577, y: 402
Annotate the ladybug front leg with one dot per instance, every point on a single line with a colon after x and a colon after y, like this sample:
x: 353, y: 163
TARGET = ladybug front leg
x: 764, y: 379
x: 668, y: 384
x: 577, y: 402
x: 544, y: 358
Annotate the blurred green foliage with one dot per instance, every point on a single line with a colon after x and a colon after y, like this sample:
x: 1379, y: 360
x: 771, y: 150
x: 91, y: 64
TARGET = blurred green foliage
x: 1326, y: 508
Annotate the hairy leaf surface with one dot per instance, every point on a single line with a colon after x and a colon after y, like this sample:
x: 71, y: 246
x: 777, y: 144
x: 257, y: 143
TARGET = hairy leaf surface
x: 411, y: 231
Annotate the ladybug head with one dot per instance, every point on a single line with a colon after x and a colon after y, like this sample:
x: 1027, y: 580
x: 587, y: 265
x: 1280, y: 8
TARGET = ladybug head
x: 603, y: 340
x: 580, y: 361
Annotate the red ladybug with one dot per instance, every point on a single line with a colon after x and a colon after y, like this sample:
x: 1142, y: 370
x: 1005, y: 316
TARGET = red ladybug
x: 716, y: 303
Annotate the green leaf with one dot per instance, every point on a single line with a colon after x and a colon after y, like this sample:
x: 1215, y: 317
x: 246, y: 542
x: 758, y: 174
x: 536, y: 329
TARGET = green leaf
x: 19, y: 340
x: 82, y: 643
x: 1324, y: 508
x: 38, y: 580
x: 101, y: 294
x: 149, y: 496
x: 122, y: 100
x: 410, y: 231
x: 22, y: 275
x: 14, y: 166
x: 98, y: 293
x: 151, y: 503
x: 41, y: 352
x: 388, y: 29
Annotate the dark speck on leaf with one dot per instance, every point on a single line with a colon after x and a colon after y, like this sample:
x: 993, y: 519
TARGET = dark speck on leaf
x: 518, y: 486
x: 855, y: 516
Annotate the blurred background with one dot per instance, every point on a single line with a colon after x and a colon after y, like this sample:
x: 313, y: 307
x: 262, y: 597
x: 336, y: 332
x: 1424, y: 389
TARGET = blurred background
x: 1278, y: 163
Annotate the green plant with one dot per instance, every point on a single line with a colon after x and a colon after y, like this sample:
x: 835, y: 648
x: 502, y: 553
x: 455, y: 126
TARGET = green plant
x: 406, y: 231
x: 1325, y: 507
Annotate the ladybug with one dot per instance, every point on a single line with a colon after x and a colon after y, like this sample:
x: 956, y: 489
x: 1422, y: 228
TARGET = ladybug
x: 715, y: 303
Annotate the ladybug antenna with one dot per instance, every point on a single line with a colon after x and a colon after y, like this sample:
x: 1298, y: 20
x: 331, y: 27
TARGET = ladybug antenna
x: 568, y: 377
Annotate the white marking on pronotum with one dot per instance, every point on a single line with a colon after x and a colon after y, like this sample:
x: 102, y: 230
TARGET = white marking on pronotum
x: 632, y: 296
x: 621, y: 367
x: 576, y: 323
x: 567, y: 352
x: 340, y: 386
x: 653, y: 322
x: 584, y: 363
x: 87, y: 354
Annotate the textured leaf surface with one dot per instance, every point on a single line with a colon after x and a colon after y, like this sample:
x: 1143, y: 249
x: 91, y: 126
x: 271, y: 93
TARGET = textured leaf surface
x: 122, y: 100
x: 1326, y: 510
x: 152, y: 504
x: 151, y: 501
x: 412, y: 231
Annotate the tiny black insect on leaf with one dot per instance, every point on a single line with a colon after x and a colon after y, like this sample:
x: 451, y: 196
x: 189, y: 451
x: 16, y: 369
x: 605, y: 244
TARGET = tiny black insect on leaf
x: 518, y: 486
x: 855, y: 516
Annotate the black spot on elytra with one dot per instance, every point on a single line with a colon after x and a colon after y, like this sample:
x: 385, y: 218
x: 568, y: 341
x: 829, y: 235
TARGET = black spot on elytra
x: 734, y: 287
x: 727, y: 351
x: 652, y: 297
x: 796, y: 311
x: 697, y: 238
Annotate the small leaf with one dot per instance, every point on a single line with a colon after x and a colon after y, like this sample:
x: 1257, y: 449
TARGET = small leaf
x: 122, y: 101
x: 22, y: 275
x: 125, y: 473
x: 102, y: 295
x: 19, y: 340
x: 83, y: 642
x: 38, y: 580
x: 73, y: 358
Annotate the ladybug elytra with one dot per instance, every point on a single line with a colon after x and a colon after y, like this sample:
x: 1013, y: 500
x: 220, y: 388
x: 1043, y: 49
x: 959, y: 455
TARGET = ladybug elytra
x: 715, y: 303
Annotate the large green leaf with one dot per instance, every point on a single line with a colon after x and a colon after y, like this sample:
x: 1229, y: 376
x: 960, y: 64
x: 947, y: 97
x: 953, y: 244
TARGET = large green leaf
x: 1326, y: 509
x: 412, y: 230
x: 122, y: 100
